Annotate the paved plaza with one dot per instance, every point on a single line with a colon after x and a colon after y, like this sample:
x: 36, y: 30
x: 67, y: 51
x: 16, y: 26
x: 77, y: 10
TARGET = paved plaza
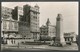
x: 41, y: 47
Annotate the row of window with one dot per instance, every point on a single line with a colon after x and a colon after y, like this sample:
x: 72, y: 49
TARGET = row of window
x: 6, y: 12
x: 34, y: 13
x: 5, y: 8
x: 10, y: 25
x: 46, y: 32
x: 34, y: 23
x: 34, y: 27
x: 6, y: 16
x: 24, y: 24
x: 35, y: 19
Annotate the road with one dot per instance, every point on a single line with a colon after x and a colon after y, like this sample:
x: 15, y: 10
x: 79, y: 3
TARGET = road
x: 43, y: 48
x: 36, y: 50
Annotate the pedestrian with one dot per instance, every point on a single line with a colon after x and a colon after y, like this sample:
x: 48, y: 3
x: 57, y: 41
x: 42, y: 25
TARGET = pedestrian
x: 18, y: 44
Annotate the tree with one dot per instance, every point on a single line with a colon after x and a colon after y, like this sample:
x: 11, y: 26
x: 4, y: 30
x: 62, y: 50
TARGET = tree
x: 45, y: 38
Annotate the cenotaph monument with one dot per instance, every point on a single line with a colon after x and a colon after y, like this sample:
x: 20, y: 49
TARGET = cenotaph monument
x: 59, y: 41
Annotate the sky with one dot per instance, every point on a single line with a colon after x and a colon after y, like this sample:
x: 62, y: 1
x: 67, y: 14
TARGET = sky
x: 69, y: 11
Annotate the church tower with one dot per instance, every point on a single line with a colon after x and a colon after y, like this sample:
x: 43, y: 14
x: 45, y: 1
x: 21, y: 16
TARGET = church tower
x: 48, y: 22
x: 59, y: 31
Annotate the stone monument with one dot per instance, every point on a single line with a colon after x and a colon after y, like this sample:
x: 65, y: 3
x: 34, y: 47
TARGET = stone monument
x: 59, y: 41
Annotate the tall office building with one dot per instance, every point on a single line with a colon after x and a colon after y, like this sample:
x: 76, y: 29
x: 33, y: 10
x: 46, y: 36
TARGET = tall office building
x: 31, y: 16
x: 28, y: 18
x: 23, y: 28
x: 17, y: 13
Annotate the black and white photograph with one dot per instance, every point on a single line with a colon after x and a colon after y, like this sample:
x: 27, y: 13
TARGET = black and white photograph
x: 39, y: 26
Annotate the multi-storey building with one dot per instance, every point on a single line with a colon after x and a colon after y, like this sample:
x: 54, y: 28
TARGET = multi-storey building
x: 70, y: 36
x: 28, y: 18
x: 17, y: 13
x: 51, y: 29
x: 9, y: 26
x: 44, y: 30
x: 23, y: 29
x: 31, y: 16
x: 48, y: 29
x: 6, y: 12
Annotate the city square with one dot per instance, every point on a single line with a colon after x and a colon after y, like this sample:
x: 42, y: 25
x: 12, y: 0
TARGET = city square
x: 22, y: 28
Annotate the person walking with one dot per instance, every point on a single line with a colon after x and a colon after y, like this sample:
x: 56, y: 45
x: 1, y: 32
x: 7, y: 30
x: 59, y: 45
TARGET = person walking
x: 18, y: 44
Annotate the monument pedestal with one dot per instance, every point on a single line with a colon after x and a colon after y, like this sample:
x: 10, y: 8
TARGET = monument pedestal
x: 60, y: 42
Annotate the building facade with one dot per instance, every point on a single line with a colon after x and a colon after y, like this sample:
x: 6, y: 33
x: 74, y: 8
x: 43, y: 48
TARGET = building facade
x: 31, y: 16
x: 6, y: 12
x: 44, y: 30
x: 23, y: 28
x: 48, y: 29
x: 70, y: 36
x: 17, y: 13
x: 8, y: 24
x: 28, y: 18
x: 24, y: 31
x: 9, y: 27
x: 51, y: 29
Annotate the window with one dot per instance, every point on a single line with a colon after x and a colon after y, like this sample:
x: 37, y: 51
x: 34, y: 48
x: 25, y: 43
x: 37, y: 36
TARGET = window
x: 10, y: 26
x: 20, y: 17
x: 4, y: 25
x: 15, y: 25
x: 8, y: 12
x: 12, y: 41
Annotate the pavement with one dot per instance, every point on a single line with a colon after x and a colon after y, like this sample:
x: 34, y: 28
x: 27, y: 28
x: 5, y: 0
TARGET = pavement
x: 34, y: 50
x: 40, y: 47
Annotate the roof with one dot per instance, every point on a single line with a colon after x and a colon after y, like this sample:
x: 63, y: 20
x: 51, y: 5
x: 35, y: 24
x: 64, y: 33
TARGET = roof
x: 3, y: 7
x: 36, y: 5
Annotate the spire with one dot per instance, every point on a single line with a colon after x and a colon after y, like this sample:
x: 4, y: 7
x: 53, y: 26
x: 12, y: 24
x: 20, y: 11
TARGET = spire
x: 48, y: 22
